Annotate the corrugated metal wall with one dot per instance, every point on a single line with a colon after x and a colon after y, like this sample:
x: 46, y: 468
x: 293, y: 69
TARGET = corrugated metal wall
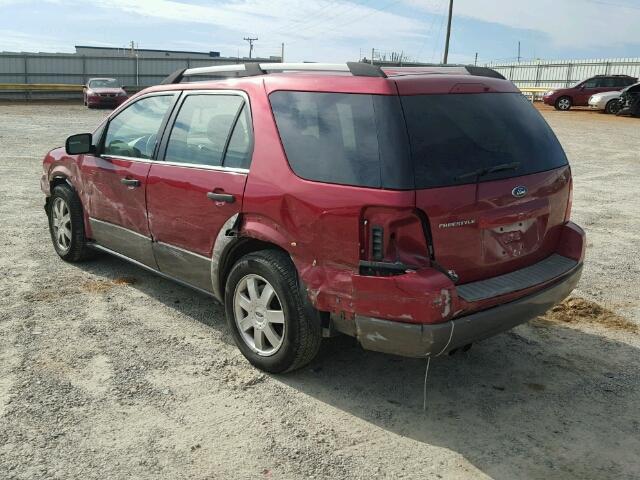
x: 77, y: 69
x: 549, y: 73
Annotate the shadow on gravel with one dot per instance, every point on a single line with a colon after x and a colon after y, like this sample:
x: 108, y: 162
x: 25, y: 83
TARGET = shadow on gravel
x: 186, y: 301
x: 542, y: 401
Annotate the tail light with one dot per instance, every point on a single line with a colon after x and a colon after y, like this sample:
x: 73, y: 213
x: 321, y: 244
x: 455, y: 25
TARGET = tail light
x: 392, y: 240
x: 567, y: 213
x: 377, y: 243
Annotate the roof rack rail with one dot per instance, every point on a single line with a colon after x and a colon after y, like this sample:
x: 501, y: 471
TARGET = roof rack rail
x: 357, y: 69
x: 252, y: 69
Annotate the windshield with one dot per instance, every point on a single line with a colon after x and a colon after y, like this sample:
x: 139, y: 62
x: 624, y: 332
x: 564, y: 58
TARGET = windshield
x: 462, y: 138
x: 104, y: 83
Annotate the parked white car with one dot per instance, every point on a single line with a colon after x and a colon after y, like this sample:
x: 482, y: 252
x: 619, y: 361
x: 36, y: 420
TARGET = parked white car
x: 607, y: 101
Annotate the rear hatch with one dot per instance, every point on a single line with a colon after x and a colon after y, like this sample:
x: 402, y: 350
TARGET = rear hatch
x: 491, y: 177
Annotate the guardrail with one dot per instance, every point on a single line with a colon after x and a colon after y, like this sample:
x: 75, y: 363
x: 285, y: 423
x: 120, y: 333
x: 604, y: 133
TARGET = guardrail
x: 40, y: 87
x: 30, y: 88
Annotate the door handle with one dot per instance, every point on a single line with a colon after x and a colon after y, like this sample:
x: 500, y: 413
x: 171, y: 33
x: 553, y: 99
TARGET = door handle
x: 130, y: 182
x: 221, y: 197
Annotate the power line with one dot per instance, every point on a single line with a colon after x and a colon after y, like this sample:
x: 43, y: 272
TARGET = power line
x: 306, y: 19
x: 432, y: 25
x: 436, y: 44
x: 316, y: 23
x: 360, y: 18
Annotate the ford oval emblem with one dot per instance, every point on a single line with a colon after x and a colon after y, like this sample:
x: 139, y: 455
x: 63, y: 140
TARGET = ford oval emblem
x: 519, y: 191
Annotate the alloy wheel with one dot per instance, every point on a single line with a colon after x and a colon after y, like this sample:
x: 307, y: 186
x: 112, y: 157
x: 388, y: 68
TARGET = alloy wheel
x: 259, y: 315
x: 61, y: 223
x: 564, y: 104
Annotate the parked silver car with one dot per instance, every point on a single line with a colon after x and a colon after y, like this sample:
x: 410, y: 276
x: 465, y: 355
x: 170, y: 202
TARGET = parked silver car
x: 607, y: 101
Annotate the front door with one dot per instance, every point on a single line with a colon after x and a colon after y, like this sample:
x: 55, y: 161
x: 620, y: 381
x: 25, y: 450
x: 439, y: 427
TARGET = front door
x: 116, y: 179
x: 198, y: 188
x: 588, y: 88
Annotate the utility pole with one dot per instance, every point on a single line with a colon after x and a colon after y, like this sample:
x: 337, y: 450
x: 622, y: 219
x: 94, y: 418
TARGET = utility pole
x: 373, y: 50
x: 475, y: 62
x: 250, y: 40
x: 519, y: 51
x: 282, y: 53
x: 446, y: 45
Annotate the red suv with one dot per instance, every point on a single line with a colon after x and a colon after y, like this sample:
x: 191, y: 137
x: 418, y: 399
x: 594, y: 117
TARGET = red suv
x: 579, y: 94
x: 418, y: 210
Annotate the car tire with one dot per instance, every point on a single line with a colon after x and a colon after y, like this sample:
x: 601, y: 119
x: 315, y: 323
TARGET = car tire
x: 613, y: 106
x: 563, y: 104
x: 272, y: 321
x: 66, y: 225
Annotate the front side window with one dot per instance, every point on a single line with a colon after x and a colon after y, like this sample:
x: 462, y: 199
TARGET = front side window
x: 134, y: 131
x: 593, y: 83
x: 202, y: 130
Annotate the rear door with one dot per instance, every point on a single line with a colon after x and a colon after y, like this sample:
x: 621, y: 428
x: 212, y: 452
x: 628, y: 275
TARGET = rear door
x: 116, y: 179
x: 197, y: 189
x: 483, y: 222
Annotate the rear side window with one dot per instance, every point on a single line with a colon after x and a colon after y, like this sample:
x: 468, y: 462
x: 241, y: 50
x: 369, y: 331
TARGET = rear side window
x: 239, y: 150
x: 202, y: 129
x: 348, y: 139
x: 454, y: 136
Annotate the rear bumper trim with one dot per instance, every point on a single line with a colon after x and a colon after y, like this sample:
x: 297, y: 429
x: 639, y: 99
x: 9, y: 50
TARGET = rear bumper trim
x: 413, y: 340
x: 551, y: 267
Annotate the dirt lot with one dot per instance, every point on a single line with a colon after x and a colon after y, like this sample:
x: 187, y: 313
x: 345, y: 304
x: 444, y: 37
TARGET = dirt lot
x: 107, y: 371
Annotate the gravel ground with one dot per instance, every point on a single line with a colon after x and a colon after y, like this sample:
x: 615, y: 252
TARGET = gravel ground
x: 107, y: 371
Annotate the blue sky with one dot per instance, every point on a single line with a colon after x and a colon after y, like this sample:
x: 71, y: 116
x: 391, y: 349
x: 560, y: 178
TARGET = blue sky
x: 331, y: 30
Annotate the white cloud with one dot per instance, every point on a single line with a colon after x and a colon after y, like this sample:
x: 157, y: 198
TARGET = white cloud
x: 289, y: 18
x: 15, y: 41
x: 567, y: 23
x: 328, y: 30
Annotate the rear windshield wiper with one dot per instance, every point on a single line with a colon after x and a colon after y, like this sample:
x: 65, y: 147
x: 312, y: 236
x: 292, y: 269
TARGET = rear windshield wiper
x: 481, y: 172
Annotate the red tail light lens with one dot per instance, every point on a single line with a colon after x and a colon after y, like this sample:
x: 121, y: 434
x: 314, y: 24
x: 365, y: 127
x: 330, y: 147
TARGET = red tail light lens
x: 567, y: 213
x: 393, y: 235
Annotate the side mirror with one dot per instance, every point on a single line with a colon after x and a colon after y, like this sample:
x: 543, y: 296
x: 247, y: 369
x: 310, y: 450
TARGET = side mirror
x: 79, y: 144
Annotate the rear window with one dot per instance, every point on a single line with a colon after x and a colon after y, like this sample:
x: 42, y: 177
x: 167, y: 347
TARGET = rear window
x: 419, y: 141
x: 454, y: 136
x: 349, y: 139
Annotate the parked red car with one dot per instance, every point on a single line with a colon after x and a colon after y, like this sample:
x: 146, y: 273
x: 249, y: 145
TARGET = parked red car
x: 103, y: 92
x: 417, y: 210
x: 579, y: 94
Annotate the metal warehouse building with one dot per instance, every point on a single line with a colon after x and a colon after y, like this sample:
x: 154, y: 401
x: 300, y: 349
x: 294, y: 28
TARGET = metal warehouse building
x: 132, y: 68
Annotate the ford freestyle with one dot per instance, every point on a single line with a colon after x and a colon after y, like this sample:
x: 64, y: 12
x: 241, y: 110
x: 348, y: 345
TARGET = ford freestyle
x: 416, y: 209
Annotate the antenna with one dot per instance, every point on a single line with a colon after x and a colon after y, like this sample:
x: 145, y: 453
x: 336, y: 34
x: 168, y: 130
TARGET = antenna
x: 250, y: 40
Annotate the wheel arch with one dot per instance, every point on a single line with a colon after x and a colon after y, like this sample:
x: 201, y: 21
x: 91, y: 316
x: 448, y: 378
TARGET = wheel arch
x: 237, y: 248
x: 61, y: 177
x: 54, y: 181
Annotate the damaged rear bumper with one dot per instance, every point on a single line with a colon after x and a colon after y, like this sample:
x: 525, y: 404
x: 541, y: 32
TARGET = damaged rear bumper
x: 420, y: 340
